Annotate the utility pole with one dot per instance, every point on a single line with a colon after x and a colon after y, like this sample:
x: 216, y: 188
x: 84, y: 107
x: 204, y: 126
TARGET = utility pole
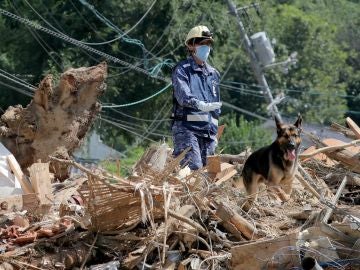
x: 256, y: 66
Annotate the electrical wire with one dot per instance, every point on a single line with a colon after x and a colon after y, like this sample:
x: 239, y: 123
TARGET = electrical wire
x: 140, y: 119
x: 38, y: 39
x: 131, y: 124
x: 78, y: 44
x: 156, y: 69
x: 19, y: 90
x: 42, y: 18
x: 244, y: 111
x: 125, y: 33
x: 126, y: 129
x: 134, y: 129
x: 63, y: 33
x: 229, y: 83
x: 127, y: 39
x: 139, y: 101
x: 16, y: 81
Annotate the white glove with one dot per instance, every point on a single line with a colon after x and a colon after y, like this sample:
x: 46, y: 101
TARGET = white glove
x: 208, y: 107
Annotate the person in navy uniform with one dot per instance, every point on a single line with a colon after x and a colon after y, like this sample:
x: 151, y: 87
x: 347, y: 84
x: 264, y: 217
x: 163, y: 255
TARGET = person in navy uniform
x: 196, y: 101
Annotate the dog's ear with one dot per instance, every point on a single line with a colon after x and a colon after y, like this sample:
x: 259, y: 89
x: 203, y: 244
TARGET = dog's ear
x: 298, y: 122
x: 278, y: 123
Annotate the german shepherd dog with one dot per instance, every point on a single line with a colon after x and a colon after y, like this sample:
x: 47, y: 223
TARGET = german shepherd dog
x: 275, y: 164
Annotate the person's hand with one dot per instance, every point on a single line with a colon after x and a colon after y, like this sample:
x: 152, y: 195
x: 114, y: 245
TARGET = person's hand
x: 208, y: 107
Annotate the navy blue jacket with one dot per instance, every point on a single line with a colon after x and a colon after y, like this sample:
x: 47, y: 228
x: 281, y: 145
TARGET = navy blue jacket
x: 193, y: 83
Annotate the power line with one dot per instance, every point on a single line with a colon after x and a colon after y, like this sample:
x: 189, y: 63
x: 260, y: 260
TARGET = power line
x: 287, y: 89
x: 79, y: 44
x: 131, y: 124
x: 139, y: 101
x: 135, y: 129
x: 150, y: 128
x: 122, y: 35
x: 139, y: 21
x: 19, y: 90
x: 110, y: 58
x: 42, y: 18
x: 244, y: 111
x: 63, y: 32
x: 126, y: 129
x: 38, y: 39
x: 16, y: 80
x: 140, y: 119
x: 111, y: 25
x: 242, y: 90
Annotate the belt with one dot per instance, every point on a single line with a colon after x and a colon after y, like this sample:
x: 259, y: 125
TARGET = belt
x: 196, y: 118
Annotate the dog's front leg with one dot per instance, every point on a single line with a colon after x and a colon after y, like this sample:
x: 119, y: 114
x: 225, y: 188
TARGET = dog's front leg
x: 251, y: 182
x: 276, y: 189
x: 286, y: 185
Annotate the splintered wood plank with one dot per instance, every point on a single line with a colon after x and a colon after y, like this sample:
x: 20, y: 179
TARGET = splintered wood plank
x: 15, y: 167
x: 259, y: 255
x: 321, y: 156
x: 220, y: 131
x: 225, y: 177
x: 213, y: 164
x: 353, y: 126
x: 30, y: 202
x: 225, y: 170
x: 41, y: 181
x: 228, y: 215
x: 348, y: 157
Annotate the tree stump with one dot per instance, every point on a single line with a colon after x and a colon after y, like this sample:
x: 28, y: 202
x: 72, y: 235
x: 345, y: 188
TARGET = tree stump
x: 56, y: 120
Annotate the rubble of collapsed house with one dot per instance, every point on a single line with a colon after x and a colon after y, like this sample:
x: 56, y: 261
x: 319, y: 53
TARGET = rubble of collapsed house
x: 162, y: 217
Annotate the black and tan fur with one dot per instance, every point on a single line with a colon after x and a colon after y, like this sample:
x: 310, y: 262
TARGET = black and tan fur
x: 275, y: 164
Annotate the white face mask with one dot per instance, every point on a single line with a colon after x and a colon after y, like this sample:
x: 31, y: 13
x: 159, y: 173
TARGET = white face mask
x: 202, y: 52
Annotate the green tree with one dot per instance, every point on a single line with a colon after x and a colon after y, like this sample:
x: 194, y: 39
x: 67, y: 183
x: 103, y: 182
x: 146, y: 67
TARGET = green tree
x: 240, y: 134
x: 323, y: 86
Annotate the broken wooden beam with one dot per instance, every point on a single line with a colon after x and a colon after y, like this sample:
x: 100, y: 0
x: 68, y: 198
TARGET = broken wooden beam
x: 219, y: 171
x: 344, y: 130
x: 258, y: 255
x: 232, y: 159
x: 24, y: 182
x: 213, y: 164
x: 330, y: 149
x: 347, y: 157
x: 307, y: 186
x: 228, y: 215
x: 321, y: 186
x: 220, y: 132
x: 41, y: 182
x: 334, y: 201
x: 353, y: 126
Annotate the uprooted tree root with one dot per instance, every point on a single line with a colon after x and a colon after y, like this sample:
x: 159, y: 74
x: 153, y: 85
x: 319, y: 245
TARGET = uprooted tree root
x: 56, y: 120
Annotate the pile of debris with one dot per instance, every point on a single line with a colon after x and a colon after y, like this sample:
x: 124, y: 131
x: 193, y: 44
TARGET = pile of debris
x: 164, y: 217
x: 160, y: 217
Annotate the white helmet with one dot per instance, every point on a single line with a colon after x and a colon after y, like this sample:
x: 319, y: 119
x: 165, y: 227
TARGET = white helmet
x: 199, y: 31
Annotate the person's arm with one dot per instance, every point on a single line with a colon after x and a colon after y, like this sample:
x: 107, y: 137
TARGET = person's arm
x: 182, y: 90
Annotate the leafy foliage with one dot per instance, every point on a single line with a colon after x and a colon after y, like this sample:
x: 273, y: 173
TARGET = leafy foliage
x: 125, y: 164
x: 323, y: 86
x: 240, y: 134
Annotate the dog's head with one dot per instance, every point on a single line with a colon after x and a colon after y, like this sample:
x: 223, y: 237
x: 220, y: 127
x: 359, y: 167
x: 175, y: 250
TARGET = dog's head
x: 288, y: 138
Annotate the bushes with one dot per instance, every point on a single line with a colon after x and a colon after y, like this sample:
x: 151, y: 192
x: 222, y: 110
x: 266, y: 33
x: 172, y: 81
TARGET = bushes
x: 240, y: 134
x: 133, y: 155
